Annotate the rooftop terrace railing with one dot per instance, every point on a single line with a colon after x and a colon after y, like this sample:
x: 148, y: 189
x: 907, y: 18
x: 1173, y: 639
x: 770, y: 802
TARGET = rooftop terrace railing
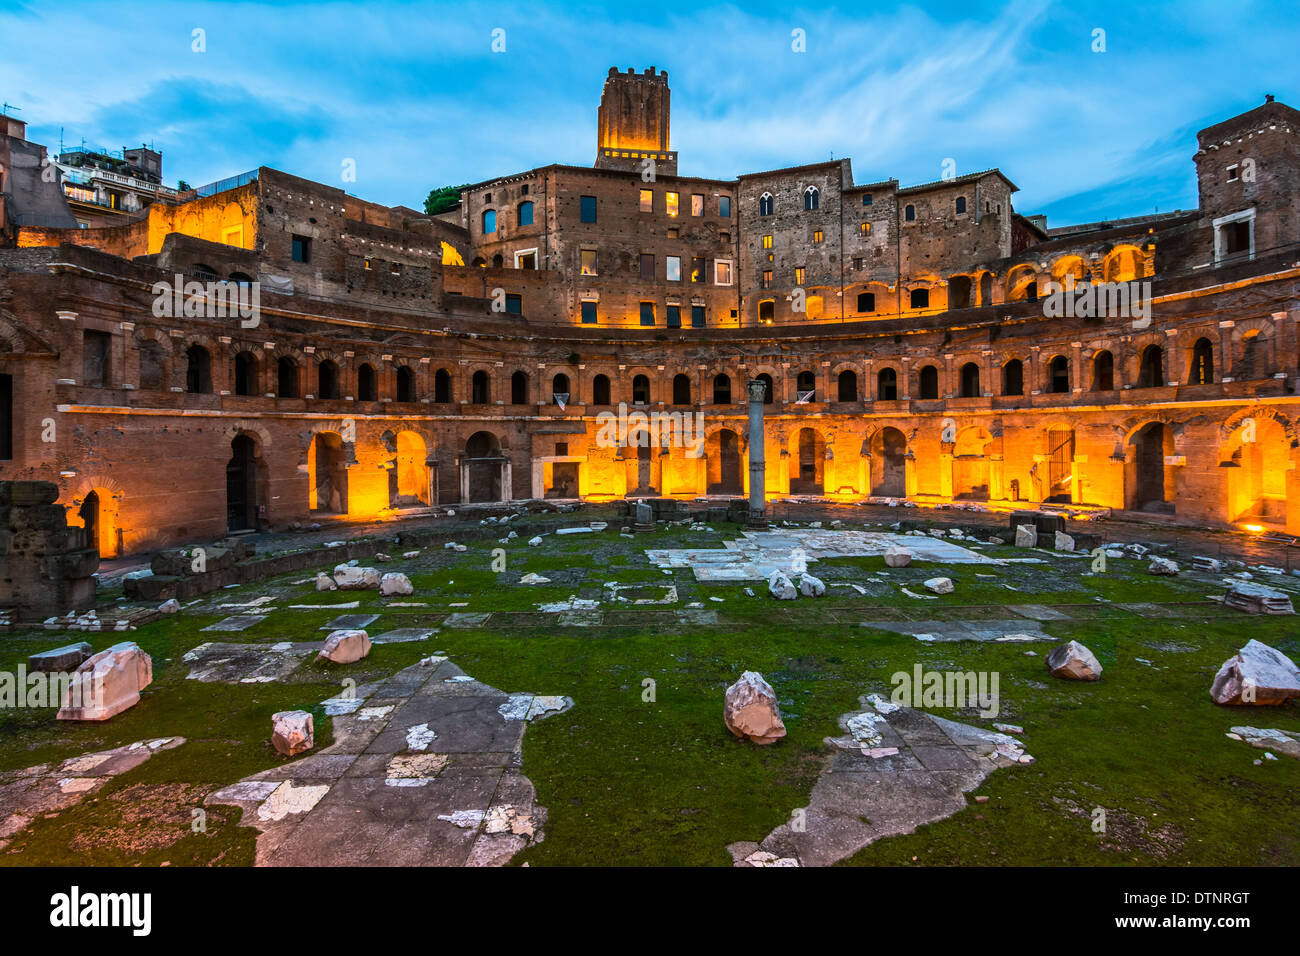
x: 221, y: 185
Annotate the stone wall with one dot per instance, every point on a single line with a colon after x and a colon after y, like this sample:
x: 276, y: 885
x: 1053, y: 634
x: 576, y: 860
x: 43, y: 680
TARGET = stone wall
x: 45, y: 566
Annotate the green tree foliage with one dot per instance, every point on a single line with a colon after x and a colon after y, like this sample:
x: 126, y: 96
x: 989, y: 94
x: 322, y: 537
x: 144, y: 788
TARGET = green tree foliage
x: 442, y: 199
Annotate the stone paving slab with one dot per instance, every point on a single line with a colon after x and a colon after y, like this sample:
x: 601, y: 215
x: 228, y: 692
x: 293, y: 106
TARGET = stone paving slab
x: 402, y: 635
x: 237, y: 622
x: 350, y: 622
x: 247, y: 663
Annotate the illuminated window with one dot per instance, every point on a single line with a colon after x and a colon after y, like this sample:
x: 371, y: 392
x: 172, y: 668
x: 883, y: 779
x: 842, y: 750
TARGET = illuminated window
x: 811, y: 198
x: 766, y: 282
x: 670, y: 204
x: 818, y: 237
x: 588, y: 313
x: 722, y: 272
x: 527, y: 259
x: 799, y: 273
x: 489, y: 221
x: 673, y: 233
x: 765, y: 204
x: 647, y: 265
x: 674, y: 267
x: 368, y: 265
x: 587, y: 208
x: 865, y: 229
x: 724, y: 207
x: 697, y: 204
x: 647, y: 200
x: 697, y: 269
x: 767, y: 242
x: 588, y: 262
x: 766, y: 311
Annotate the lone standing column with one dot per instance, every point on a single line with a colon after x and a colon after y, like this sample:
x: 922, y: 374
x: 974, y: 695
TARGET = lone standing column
x: 757, y: 455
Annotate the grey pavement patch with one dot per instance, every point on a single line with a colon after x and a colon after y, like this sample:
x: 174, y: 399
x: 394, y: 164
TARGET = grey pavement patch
x: 349, y: 622
x: 246, y: 663
x: 1037, y: 612
x: 465, y: 619
x: 237, y: 622
x: 1011, y: 629
x: 402, y: 635
x: 423, y: 771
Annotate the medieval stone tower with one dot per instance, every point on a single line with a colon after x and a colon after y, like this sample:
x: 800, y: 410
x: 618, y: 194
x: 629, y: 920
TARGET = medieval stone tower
x: 632, y: 123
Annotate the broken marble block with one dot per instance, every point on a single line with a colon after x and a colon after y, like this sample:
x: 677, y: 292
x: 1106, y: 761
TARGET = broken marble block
x: 170, y: 606
x: 1258, y: 599
x: 325, y: 583
x: 345, y: 647
x: 939, y: 585
x: 780, y: 586
x: 810, y: 586
x: 1258, y: 675
x: 750, y: 710
x: 107, y: 683
x: 1283, y: 741
x: 897, y: 557
x: 61, y: 659
x: 292, y: 732
x: 394, y: 582
x: 1026, y: 536
x: 351, y: 578
x: 1073, y: 661
x: 1162, y: 566
x: 1064, y: 542
x: 535, y: 542
x: 1202, y: 563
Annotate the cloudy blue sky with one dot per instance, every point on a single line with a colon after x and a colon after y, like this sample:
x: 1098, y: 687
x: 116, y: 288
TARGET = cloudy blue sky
x: 415, y: 95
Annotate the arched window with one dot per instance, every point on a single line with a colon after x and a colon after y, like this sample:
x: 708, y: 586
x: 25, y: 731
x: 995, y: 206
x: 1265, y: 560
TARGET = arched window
x: 442, y: 387
x: 241, y: 278
x: 811, y: 198
x: 489, y: 221
x: 1151, y: 374
x: 286, y: 374
x: 367, y: 387
x: 327, y: 380
x: 198, y: 370
x: 1103, y: 372
x: 920, y: 298
x: 480, y: 390
x: 681, y: 390
x: 1058, y: 375
x: 721, y: 389
x: 805, y: 383
x: 640, y: 390
x: 1013, y: 378
x: 961, y: 205
x: 848, y: 386
x: 498, y: 261
x: 887, y: 385
x: 245, y: 374
x: 970, y: 380
x: 405, y: 384
x: 765, y: 204
x: 766, y: 311
x: 525, y: 214
x: 929, y: 382
x: 600, y: 390
x: 560, y: 389
x: 909, y: 213
x: 767, y: 387
x: 519, y: 388
x: 1202, y: 363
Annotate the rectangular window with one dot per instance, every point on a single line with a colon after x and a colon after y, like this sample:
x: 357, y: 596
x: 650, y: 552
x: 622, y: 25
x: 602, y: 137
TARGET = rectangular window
x: 670, y: 204
x: 1232, y: 173
x: 588, y: 313
x: 866, y: 302
x: 587, y: 208
x: 525, y: 214
x: 526, y: 260
x: 647, y: 313
x: 674, y: 317
x: 589, y: 262
x: 514, y: 304
x: 722, y: 271
x: 864, y: 228
x: 674, y: 266
x: 697, y: 269
x: 561, y: 449
x: 301, y: 249
x: 866, y: 200
x: 697, y: 316
x: 767, y: 242
x: 6, y: 417
x: 724, y: 207
x: 818, y: 237
x: 766, y: 282
x: 799, y: 273
x: 96, y: 347
x: 647, y: 200
x: 697, y: 204
x: 647, y: 265
x: 674, y: 233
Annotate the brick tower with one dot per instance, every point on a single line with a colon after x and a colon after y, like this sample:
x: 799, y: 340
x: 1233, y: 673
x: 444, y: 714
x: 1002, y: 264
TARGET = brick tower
x: 632, y: 123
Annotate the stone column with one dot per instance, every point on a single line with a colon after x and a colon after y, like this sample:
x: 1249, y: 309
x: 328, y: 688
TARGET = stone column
x: 757, y: 455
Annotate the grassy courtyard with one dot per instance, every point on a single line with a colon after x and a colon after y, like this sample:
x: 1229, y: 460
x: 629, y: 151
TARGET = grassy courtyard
x: 628, y: 780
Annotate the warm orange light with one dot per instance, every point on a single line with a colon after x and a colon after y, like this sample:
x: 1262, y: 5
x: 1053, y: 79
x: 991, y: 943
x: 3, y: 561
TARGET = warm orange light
x: 1254, y: 528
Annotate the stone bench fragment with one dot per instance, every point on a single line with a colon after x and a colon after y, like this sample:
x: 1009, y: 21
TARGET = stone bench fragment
x: 750, y: 710
x: 1162, y: 566
x: 898, y: 557
x: 1026, y: 536
x: 292, y: 732
x: 394, y: 582
x: 1073, y: 661
x: 61, y: 659
x: 939, y: 585
x: 345, y: 647
x: 350, y: 578
x: 1258, y: 599
x: 1258, y: 675
x: 107, y: 683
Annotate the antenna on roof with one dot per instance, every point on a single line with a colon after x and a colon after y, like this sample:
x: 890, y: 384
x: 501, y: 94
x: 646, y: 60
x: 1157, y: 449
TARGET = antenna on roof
x: 9, y: 106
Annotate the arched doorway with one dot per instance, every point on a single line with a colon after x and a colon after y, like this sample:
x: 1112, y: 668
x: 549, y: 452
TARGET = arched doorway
x: 97, y: 513
x: 889, y: 461
x: 1257, y: 473
x: 970, y: 468
x: 241, y: 485
x: 483, y: 467
x: 1151, y: 480
x: 89, y: 513
x: 723, y: 451
x: 327, y: 474
x: 810, y: 463
x: 409, y: 478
